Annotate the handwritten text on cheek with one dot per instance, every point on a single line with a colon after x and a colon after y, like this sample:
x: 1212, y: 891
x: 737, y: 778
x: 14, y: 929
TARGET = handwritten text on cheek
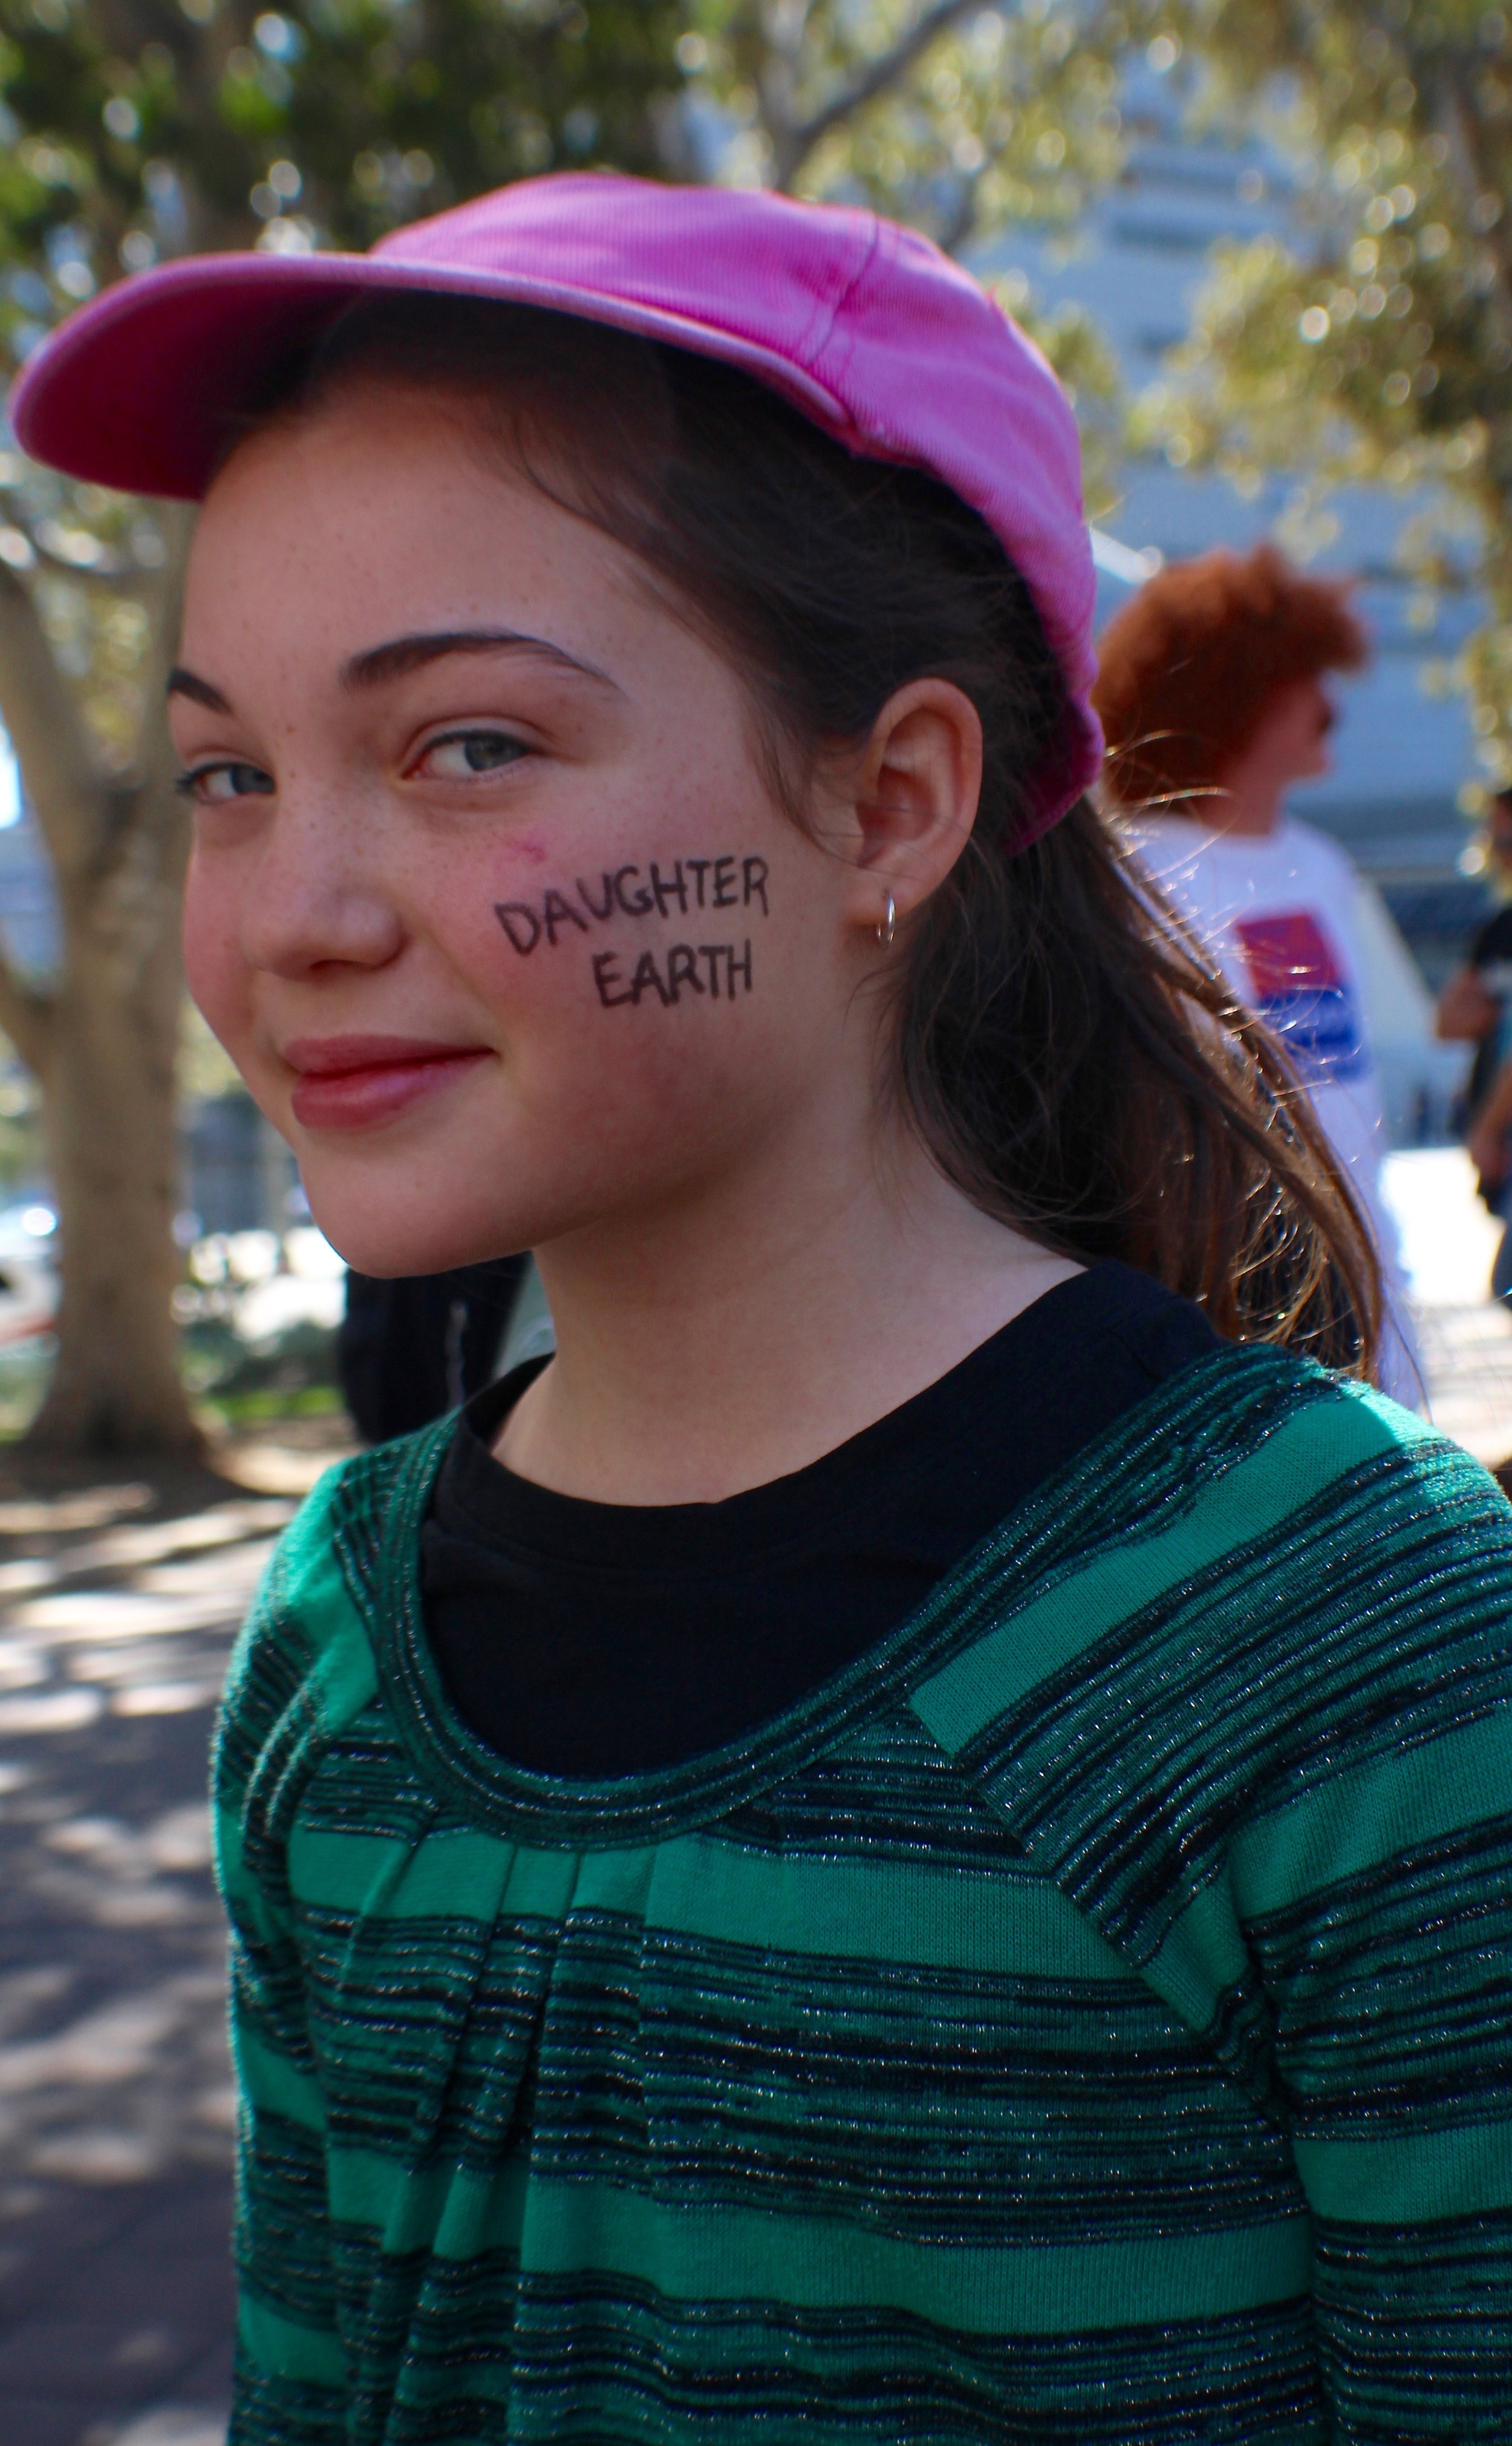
x: 718, y: 969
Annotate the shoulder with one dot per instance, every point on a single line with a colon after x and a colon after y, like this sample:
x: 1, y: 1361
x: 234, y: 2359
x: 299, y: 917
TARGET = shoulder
x: 1249, y: 1464
x: 1268, y: 1577
x: 303, y: 1666
x: 1318, y: 1456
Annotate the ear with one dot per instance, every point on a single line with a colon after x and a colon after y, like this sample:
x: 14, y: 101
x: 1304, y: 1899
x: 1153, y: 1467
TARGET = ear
x: 911, y: 801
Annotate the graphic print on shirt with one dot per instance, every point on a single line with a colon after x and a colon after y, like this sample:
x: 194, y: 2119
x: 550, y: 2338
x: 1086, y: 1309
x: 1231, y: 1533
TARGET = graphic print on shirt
x: 1301, y: 990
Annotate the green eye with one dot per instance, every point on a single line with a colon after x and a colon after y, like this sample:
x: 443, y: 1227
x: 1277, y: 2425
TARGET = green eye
x: 462, y: 753
x: 215, y: 785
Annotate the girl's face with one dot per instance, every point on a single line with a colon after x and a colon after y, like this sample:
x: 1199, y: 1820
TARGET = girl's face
x: 489, y: 900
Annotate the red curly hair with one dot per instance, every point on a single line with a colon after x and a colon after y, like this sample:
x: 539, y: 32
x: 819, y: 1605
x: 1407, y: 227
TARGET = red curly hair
x: 1187, y: 670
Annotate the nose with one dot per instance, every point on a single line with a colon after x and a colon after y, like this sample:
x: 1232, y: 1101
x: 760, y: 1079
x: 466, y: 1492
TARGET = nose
x: 316, y: 895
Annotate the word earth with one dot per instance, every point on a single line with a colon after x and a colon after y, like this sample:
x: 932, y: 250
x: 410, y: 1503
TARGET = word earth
x: 691, y: 882
x: 681, y: 970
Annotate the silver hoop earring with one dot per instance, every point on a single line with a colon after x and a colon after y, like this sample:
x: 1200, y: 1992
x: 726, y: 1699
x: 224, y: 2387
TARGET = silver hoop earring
x: 886, y: 925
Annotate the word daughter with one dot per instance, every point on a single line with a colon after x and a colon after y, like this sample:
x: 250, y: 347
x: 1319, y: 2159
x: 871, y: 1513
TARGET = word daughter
x: 690, y: 883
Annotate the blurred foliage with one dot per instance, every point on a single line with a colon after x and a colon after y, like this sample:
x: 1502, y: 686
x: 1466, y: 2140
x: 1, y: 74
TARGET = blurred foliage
x: 140, y: 129
x: 293, y: 1373
x: 955, y: 118
x: 1378, y: 346
x: 135, y: 130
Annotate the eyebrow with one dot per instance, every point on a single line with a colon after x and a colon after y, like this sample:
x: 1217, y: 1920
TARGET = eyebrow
x: 182, y: 683
x: 401, y: 655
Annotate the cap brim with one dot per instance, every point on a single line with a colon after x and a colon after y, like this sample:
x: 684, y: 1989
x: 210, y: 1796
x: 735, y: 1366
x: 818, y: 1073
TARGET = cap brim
x: 142, y: 389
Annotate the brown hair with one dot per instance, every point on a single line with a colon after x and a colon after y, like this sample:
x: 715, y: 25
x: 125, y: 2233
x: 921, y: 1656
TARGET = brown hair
x: 1187, y: 670
x: 1069, y: 1056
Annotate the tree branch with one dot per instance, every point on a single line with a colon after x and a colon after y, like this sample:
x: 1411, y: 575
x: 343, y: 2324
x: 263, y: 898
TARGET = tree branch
x: 1460, y: 130
x: 135, y: 878
x: 962, y: 222
x: 792, y: 140
x: 46, y: 730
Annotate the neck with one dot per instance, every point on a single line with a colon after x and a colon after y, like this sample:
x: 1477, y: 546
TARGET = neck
x: 1248, y: 807
x: 762, y: 1322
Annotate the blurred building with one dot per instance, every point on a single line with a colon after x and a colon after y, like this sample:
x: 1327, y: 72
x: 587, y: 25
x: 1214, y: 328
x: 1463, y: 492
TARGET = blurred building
x: 236, y: 1172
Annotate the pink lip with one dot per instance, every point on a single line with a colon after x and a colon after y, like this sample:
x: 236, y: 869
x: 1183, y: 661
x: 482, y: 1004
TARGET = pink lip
x: 353, y: 1083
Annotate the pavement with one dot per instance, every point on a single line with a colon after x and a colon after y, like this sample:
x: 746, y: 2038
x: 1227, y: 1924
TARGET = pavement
x: 119, y: 1602
x: 1449, y: 1241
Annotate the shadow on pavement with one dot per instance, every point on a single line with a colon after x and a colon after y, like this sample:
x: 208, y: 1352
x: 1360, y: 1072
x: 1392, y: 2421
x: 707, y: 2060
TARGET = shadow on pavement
x: 120, y: 1598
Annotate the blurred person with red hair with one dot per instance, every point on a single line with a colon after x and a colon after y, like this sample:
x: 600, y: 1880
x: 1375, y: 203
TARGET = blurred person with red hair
x: 1211, y: 692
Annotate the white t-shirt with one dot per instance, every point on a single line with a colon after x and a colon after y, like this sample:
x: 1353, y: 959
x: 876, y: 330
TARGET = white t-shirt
x: 1277, y: 916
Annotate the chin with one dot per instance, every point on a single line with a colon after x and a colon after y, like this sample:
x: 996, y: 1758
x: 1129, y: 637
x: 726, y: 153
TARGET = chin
x: 405, y: 1239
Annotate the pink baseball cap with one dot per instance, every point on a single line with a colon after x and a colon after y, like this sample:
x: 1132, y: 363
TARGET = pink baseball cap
x: 866, y: 328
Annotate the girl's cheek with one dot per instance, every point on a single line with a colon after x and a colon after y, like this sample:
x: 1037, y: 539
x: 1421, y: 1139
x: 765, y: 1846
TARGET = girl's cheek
x: 645, y: 936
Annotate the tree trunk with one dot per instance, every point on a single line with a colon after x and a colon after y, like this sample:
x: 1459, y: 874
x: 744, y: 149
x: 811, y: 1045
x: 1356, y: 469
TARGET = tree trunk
x: 107, y: 1081
x: 102, y: 1037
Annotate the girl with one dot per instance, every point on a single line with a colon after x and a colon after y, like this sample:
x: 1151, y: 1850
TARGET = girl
x: 911, y: 1839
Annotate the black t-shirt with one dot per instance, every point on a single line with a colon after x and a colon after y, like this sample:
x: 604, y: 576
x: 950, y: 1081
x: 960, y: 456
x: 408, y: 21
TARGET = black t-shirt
x: 593, y: 1640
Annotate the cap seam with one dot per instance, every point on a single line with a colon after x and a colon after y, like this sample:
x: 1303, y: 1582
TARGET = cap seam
x: 812, y: 361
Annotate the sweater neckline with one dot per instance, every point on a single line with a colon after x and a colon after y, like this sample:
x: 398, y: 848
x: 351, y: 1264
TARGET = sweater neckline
x: 931, y: 1429
x: 561, y: 1813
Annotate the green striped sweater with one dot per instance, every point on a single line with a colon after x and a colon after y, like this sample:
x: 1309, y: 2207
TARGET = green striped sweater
x: 1086, y: 2019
